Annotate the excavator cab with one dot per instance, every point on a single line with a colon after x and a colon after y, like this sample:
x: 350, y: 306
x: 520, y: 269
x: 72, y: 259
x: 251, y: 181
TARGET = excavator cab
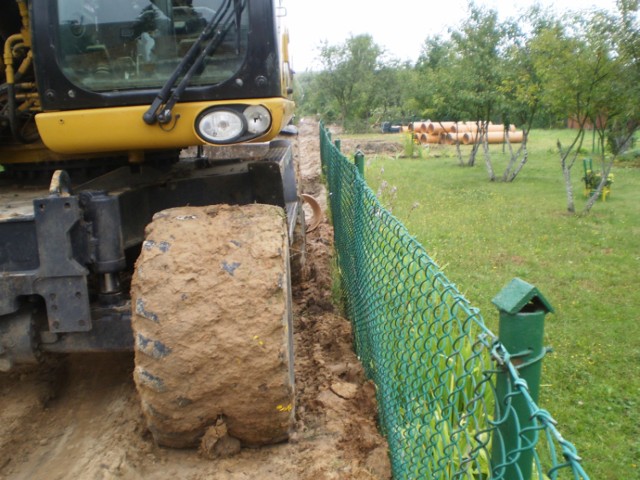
x: 196, y: 72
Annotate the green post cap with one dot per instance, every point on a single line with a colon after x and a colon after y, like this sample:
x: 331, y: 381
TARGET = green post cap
x: 520, y: 296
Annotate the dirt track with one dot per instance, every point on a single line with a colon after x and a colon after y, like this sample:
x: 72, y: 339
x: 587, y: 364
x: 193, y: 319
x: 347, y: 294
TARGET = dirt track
x: 80, y: 418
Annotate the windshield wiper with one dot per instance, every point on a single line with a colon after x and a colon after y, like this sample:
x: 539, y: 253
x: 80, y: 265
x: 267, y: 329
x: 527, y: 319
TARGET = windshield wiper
x: 211, y: 37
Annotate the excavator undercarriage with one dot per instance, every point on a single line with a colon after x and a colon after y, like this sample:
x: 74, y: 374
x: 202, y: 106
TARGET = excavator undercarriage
x: 146, y: 204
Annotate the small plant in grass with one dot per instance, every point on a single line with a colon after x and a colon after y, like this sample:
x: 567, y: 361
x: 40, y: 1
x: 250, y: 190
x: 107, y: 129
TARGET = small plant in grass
x: 412, y: 147
x: 409, y: 145
x: 387, y: 194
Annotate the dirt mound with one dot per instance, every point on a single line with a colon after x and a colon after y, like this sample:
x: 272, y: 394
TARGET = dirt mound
x: 371, y: 147
x: 80, y: 418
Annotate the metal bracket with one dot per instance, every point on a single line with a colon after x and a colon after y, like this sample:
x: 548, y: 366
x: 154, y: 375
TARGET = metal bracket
x: 62, y: 281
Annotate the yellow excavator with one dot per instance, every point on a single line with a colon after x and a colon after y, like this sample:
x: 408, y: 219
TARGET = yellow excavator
x: 146, y: 204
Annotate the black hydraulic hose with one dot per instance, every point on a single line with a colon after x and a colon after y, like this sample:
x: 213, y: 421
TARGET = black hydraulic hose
x: 151, y: 115
x: 14, y: 121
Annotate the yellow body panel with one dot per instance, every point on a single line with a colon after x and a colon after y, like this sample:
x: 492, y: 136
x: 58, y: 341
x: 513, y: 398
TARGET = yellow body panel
x: 119, y: 129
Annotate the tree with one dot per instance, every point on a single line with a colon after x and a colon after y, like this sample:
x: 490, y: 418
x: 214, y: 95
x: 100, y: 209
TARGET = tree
x: 478, y: 45
x: 447, y: 85
x: 348, y: 76
x: 585, y: 77
x: 390, y: 85
x: 521, y: 87
x: 620, y: 100
x: 564, y: 64
x: 462, y: 75
x: 433, y: 80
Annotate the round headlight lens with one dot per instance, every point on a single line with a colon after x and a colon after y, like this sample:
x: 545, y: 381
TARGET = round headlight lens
x: 221, y: 125
x: 258, y: 119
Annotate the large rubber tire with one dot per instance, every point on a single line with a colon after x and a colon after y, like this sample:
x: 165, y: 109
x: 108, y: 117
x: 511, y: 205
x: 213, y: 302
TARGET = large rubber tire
x: 211, y: 301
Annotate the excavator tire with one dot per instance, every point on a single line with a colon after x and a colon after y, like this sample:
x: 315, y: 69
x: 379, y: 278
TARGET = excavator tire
x: 211, y: 316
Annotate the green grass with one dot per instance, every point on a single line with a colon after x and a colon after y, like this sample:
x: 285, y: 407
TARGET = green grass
x: 484, y: 234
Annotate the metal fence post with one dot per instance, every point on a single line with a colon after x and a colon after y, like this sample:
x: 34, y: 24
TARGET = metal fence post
x: 338, y: 144
x: 522, y: 311
x: 359, y: 161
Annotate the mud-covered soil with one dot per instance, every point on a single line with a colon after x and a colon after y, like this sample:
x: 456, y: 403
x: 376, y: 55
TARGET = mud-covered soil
x: 371, y: 147
x: 79, y: 417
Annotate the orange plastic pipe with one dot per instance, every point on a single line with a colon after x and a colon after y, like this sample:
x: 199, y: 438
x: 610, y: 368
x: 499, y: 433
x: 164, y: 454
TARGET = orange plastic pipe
x: 433, y: 139
x: 437, y: 127
x: 419, y: 127
x: 494, y: 137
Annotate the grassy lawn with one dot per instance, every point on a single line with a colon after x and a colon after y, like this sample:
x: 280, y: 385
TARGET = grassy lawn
x: 483, y: 234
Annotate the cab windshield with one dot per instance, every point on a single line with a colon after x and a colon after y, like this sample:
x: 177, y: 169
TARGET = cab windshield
x: 130, y: 44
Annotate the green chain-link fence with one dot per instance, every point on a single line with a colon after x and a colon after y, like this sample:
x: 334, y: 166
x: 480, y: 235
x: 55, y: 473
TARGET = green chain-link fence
x: 437, y: 367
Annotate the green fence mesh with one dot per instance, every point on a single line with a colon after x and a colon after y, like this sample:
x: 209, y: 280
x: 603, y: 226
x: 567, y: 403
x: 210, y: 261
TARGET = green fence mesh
x: 432, y: 358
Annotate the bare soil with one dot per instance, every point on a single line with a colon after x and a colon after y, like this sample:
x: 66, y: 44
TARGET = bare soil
x: 79, y: 417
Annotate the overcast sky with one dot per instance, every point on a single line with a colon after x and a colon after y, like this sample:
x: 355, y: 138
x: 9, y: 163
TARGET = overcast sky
x: 399, y: 26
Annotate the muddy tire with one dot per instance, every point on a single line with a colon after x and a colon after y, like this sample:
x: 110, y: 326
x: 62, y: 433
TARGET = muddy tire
x: 211, y: 301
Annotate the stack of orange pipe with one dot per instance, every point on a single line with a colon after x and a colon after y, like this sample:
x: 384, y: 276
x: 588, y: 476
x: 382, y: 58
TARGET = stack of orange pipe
x: 449, y: 133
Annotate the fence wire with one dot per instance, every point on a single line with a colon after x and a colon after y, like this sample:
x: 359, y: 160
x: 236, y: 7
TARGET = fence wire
x: 433, y: 360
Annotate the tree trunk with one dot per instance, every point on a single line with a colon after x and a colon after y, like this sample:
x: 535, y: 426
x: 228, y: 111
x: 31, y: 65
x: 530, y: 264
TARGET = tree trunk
x: 487, y: 159
x: 525, y: 157
x: 459, y: 153
x: 477, y: 138
x: 566, y: 172
x: 513, y: 157
x: 567, y: 163
x: 474, y: 149
x: 512, y: 162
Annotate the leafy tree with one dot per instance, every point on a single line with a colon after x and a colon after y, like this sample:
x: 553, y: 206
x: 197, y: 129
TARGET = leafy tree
x: 620, y: 100
x: 462, y: 75
x: 348, y: 76
x: 305, y: 94
x: 440, y: 79
x: 585, y: 77
x: 478, y: 47
x: 563, y: 62
x: 390, y: 100
x: 433, y: 80
x: 521, y: 87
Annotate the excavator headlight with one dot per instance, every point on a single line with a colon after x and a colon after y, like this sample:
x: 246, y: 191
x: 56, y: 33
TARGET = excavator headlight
x: 258, y: 119
x: 221, y: 125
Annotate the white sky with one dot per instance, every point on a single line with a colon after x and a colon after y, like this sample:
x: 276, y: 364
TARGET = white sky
x: 399, y: 26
